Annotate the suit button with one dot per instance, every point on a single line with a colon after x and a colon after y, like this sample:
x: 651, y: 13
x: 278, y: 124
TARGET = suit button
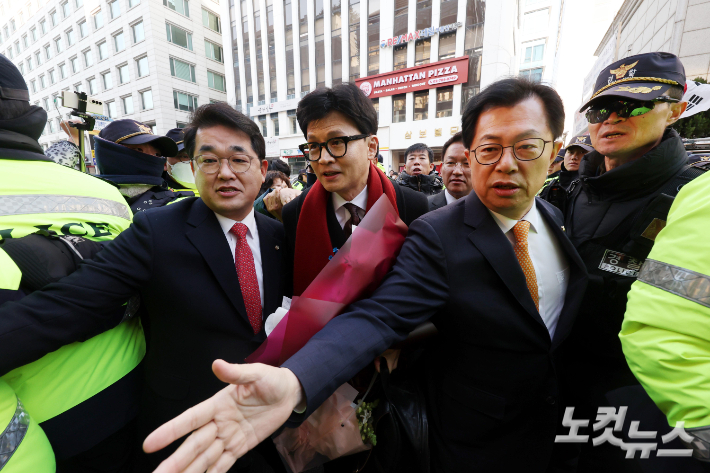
x: 550, y: 400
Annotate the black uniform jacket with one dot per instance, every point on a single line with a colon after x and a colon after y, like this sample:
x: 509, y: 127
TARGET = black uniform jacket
x: 178, y: 259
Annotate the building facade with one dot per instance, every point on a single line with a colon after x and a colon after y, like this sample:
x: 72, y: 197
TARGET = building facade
x: 280, y: 50
x: 153, y: 61
x: 642, y: 26
x: 539, y: 39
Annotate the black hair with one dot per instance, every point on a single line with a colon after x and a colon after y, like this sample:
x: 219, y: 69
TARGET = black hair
x: 457, y: 138
x: 675, y: 92
x: 509, y: 92
x: 420, y: 147
x: 215, y: 114
x: 346, y: 98
x: 11, y: 109
x: 278, y: 164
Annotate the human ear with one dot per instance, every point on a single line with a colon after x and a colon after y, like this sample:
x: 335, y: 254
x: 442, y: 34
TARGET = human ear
x: 677, y: 110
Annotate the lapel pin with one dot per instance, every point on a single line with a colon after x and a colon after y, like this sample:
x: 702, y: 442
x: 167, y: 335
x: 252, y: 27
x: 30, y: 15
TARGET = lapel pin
x: 563, y: 228
x: 277, y: 247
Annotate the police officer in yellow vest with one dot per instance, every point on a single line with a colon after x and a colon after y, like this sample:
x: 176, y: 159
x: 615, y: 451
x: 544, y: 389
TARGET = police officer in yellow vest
x: 23, y: 444
x: 666, y: 329
x: 84, y: 394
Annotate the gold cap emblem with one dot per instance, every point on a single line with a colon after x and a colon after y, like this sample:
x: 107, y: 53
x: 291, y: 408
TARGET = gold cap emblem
x: 622, y: 70
x: 145, y: 129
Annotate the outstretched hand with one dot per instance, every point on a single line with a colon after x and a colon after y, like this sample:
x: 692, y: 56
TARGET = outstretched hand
x: 259, y: 399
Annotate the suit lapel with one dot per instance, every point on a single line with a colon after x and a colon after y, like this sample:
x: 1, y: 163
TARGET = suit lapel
x: 577, y: 281
x: 208, y: 238
x: 439, y: 200
x: 270, y: 265
x: 337, y: 235
x: 496, y: 248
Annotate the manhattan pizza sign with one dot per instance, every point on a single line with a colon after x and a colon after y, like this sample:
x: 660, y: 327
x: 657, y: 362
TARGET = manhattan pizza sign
x: 438, y: 74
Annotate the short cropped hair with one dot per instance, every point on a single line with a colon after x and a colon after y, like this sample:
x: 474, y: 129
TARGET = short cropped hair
x: 278, y: 164
x: 457, y: 138
x: 419, y: 147
x: 215, y: 114
x: 675, y: 92
x: 346, y: 98
x: 510, y: 92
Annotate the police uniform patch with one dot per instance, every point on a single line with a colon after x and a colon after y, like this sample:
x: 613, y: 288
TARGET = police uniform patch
x: 619, y: 263
x: 653, y: 229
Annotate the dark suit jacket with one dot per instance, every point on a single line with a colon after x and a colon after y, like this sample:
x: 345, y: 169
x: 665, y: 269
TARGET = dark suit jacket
x: 437, y: 201
x: 491, y: 376
x: 410, y: 205
x: 178, y: 260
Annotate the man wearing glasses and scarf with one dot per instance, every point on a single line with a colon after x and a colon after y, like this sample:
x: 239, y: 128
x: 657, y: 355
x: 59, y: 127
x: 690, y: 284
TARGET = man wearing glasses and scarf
x: 614, y: 211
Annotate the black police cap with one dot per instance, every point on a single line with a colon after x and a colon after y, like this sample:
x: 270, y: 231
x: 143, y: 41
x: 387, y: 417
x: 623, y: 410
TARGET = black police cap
x: 642, y: 77
x: 131, y: 132
x: 12, y: 85
x: 560, y: 155
x: 178, y: 136
x: 584, y: 141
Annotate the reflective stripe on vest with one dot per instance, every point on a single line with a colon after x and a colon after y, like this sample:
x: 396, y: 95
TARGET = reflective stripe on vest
x: 13, y: 435
x: 676, y: 280
x: 44, y: 204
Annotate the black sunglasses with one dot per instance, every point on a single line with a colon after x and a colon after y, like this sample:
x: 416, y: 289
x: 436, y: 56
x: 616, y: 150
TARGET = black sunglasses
x: 599, y: 112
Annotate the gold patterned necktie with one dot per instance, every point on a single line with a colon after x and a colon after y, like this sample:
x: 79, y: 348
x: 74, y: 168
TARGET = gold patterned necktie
x: 521, y: 230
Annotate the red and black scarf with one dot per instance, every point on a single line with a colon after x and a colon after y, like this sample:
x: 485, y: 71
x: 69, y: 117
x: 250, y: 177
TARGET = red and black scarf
x: 313, y: 247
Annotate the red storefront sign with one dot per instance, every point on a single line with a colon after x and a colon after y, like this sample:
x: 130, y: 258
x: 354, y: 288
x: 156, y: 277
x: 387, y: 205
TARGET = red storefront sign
x: 438, y: 74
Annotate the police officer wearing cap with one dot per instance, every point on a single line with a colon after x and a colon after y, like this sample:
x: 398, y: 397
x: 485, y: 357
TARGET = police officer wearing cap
x: 130, y: 156
x: 178, y: 173
x: 614, y: 210
x: 555, y: 190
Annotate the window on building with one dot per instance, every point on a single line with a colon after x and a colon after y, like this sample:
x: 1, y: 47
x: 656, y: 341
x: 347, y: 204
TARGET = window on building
x: 123, y: 74
x: 373, y: 38
x: 210, y: 20
x: 114, y: 9
x: 83, y: 29
x: 259, y: 54
x: 127, y: 103
x: 10, y: 53
x: 103, y: 50
x: 423, y: 14
x: 51, y: 125
x: 38, y: 58
x: 138, y: 33
x: 71, y: 39
x: 118, y: 43
x: 43, y: 26
x: 22, y: 69
x: 53, y: 18
x: 534, y: 75
x: 247, y: 57
x: 74, y: 62
x: 33, y: 34
x: 303, y: 44
x: 216, y: 81
x: 58, y: 45
x: 65, y: 9
x: 25, y: 43
x: 181, y: 125
x: 30, y: 66
x: 275, y: 120
x: 401, y: 17
x: 46, y: 103
x: 98, y: 20
x: 111, y: 109
x: 63, y: 71
x: 179, y: 36
x: 336, y: 48
x: 422, y: 51
x: 106, y: 79
x: 88, y: 58
x: 421, y: 105
x: 33, y: 85
x: 52, y: 76
x: 213, y: 51
x: 133, y: 3
x: 79, y: 3
x: 400, y: 57
x: 444, y: 101
x: 447, y: 45
x: 93, y: 90
x: 261, y: 120
x: 17, y: 47
x: 292, y: 122
x: 182, y: 70
x: 48, y: 52
x: 536, y: 20
x: 271, y: 45
x: 180, y: 6
x: 534, y: 53
x: 290, y: 73
x: 376, y: 106
x: 79, y: 88
x: 146, y: 99
x: 473, y: 48
x: 354, y: 20
x: 399, y: 108
x: 185, y: 102
x: 142, y: 66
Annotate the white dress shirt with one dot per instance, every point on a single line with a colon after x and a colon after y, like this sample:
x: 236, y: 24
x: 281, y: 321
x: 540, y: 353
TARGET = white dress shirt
x: 549, y: 260
x: 342, y: 214
x: 450, y: 199
x: 252, y: 241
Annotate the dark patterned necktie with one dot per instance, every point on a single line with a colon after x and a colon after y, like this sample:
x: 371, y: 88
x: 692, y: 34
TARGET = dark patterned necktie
x: 354, y: 218
x: 246, y: 272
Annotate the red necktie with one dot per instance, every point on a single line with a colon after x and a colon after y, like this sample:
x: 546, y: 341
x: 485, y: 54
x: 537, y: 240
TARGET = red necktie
x: 521, y: 230
x: 244, y: 262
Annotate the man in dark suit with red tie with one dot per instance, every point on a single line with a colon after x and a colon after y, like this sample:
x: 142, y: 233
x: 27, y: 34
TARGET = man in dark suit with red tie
x: 500, y: 280
x: 206, y: 271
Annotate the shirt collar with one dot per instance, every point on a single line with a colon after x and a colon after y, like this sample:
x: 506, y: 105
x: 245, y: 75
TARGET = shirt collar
x: 506, y: 224
x: 360, y: 200
x: 450, y: 199
x: 227, y: 223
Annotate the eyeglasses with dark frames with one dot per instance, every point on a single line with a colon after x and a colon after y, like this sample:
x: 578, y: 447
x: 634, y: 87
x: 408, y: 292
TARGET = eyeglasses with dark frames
x: 336, y: 147
x: 210, y: 163
x: 528, y: 149
x: 602, y: 110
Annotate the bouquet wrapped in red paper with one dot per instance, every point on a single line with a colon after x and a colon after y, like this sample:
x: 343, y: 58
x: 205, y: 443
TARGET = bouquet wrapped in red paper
x: 339, y: 426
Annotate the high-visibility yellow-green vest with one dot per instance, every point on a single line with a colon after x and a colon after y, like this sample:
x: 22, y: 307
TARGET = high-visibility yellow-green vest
x: 666, y: 330
x: 43, y: 195
x: 298, y: 185
x: 23, y: 445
